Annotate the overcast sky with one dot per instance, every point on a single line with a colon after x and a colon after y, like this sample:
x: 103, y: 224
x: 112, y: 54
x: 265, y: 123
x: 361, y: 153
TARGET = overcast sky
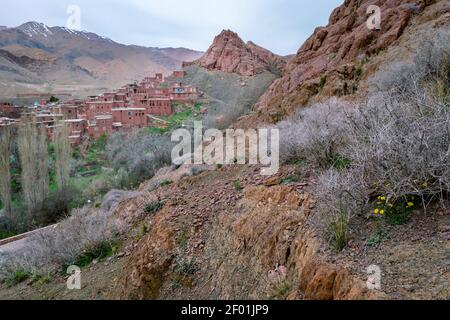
x: 279, y: 25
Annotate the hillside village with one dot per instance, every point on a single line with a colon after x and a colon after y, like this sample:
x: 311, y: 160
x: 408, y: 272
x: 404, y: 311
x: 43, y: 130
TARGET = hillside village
x: 359, y: 208
x: 135, y: 105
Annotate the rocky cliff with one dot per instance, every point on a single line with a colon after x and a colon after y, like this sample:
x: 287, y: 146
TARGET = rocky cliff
x: 329, y: 62
x: 229, y: 53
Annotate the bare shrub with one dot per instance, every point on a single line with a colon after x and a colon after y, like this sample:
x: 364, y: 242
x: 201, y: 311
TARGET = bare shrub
x: 341, y: 191
x: 397, y: 141
x: 55, y: 206
x: 316, y: 134
x: 51, y: 248
x: 433, y: 57
x: 140, y: 153
x: 431, y: 64
x: 402, y: 146
x: 114, y: 197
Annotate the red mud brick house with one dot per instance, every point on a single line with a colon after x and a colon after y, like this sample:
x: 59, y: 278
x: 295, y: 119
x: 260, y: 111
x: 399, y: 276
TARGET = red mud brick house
x: 10, y: 111
x: 49, y: 121
x: 69, y: 111
x: 101, y: 125
x: 128, y: 118
x: 156, y: 106
x: 183, y: 93
x: 77, y: 128
x: 179, y: 74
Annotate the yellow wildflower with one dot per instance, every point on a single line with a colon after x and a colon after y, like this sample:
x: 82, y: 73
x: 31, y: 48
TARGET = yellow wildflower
x: 381, y: 212
x: 383, y: 198
x: 377, y: 211
x: 410, y: 204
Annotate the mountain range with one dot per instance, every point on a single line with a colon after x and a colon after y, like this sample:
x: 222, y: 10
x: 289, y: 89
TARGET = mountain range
x: 36, y: 58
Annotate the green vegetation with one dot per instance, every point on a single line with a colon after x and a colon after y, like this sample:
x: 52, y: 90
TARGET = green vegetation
x: 41, y: 278
x: 376, y: 238
x: 166, y: 183
x: 143, y: 229
x: 323, y: 81
x: 53, y: 99
x: 289, y: 180
x: 397, y: 212
x: 182, y: 240
x: 237, y: 185
x: 17, y: 277
x: 340, y: 162
x: 281, y: 290
x: 339, y: 229
x: 153, y: 207
x: 178, y: 119
x: 184, y: 271
x: 99, y: 252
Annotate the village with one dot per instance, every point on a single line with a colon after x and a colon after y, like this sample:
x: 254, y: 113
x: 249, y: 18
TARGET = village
x: 135, y: 105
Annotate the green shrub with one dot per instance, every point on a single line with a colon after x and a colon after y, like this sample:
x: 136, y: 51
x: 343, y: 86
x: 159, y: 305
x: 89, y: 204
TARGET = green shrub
x: 166, y: 183
x: 19, y: 276
x: 340, y: 162
x: 396, y: 211
x: 281, y: 290
x: 184, y: 272
x: 376, y: 238
x: 289, y: 180
x: 153, y: 207
x: 99, y: 251
x: 237, y: 185
x: 339, y: 229
x: 182, y: 240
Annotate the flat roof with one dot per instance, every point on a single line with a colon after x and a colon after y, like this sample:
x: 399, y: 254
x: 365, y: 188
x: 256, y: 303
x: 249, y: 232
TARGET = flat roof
x: 73, y: 120
x: 105, y: 117
x: 128, y: 109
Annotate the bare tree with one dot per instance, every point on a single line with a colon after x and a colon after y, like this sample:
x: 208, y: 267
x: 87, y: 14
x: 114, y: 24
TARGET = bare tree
x: 62, y: 155
x: 5, y: 174
x: 34, y: 161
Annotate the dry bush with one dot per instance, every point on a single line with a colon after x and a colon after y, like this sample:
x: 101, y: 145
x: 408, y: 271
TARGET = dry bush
x: 141, y: 154
x: 55, y: 206
x: 50, y: 249
x: 431, y: 64
x: 316, y: 134
x: 397, y: 142
x: 402, y: 146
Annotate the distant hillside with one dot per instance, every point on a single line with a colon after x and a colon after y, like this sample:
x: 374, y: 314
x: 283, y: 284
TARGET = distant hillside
x: 37, y: 58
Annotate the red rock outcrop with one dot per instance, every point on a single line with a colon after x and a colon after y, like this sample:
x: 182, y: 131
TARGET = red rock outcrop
x: 331, y: 53
x: 229, y: 53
